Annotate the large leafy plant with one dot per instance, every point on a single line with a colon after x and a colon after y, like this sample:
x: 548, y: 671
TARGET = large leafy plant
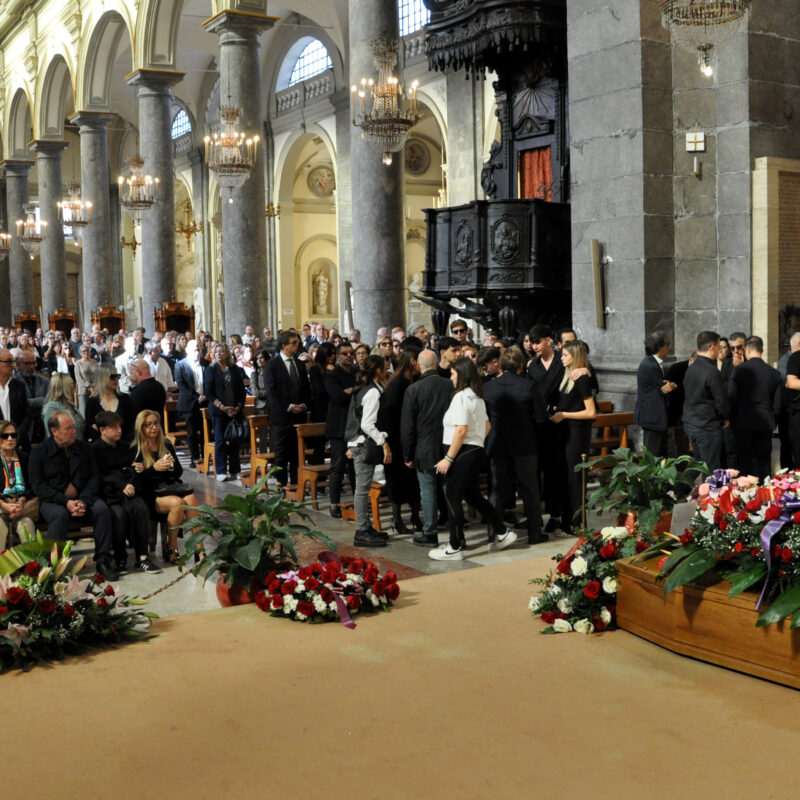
x: 642, y: 482
x: 253, y: 534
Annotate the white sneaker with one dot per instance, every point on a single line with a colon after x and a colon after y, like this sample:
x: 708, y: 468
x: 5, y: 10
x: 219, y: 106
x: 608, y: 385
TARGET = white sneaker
x: 501, y: 542
x: 444, y: 553
x: 221, y: 477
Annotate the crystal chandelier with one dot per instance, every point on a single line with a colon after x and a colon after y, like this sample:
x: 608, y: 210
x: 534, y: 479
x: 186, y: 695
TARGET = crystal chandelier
x: 30, y: 231
x: 377, y: 106
x: 702, y: 25
x: 231, y: 153
x: 188, y: 227
x: 74, y: 214
x: 137, y: 192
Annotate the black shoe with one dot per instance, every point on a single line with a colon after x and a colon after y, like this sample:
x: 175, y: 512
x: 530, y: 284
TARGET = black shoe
x: 369, y: 539
x: 381, y: 534
x: 510, y: 518
x: 146, y: 565
x: 106, y: 569
x: 538, y: 538
x: 426, y: 540
x: 336, y: 512
x: 416, y: 520
x: 553, y: 524
x: 522, y: 524
x: 122, y: 566
x: 400, y: 527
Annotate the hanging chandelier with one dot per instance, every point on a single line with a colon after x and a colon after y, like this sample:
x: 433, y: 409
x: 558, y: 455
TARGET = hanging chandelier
x: 704, y: 25
x: 30, y: 231
x: 377, y: 107
x: 231, y: 153
x: 74, y: 214
x: 137, y: 192
x: 5, y: 244
x: 188, y: 227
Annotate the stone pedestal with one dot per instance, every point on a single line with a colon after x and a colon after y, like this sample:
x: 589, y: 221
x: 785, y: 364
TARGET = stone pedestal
x: 96, y: 269
x: 52, y: 252
x: 244, y: 260
x: 19, y: 260
x: 158, y: 224
x: 378, y: 241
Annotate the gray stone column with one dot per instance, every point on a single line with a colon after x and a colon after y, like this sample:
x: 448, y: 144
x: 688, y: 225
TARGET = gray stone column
x: 378, y: 241
x: 344, y: 202
x: 52, y: 253
x: 5, y: 297
x: 202, y: 240
x: 96, y: 269
x: 158, y: 224
x: 19, y: 260
x: 244, y: 244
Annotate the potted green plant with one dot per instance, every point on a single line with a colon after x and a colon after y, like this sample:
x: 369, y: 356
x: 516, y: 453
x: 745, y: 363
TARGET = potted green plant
x: 252, y: 535
x: 641, y: 487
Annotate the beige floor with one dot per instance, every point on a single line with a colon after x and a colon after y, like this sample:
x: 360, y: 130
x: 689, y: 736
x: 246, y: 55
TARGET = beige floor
x: 453, y: 694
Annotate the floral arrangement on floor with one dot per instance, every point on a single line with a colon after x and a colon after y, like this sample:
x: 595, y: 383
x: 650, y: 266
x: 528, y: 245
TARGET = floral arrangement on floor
x: 581, y: 593
x: 332, y: 589
x: 47, y: 612
x: 743, y: 532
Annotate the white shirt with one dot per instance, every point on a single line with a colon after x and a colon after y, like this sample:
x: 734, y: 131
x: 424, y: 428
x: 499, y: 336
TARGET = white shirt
x: 369, y: 416
x: 161, y: 372
x: 466, y: 408
x: 5, y: 403
x: 197, y: 370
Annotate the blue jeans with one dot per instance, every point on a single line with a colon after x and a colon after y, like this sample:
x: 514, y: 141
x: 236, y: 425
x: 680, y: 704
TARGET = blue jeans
x: 427, y: 493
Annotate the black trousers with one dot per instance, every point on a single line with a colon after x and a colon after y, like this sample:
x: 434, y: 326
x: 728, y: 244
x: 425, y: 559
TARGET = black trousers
x: 130, y: 522
x: 194, y: 433
x: 550, y: 468
x: 574, y: 437
x: 98, y: 515
x: 794, y: 438
x: 340, y: 465
x: 655, y: 442
x: 285, y: 442
x: 754, y: 452
x: 462, y: 483
x: 505, y: 469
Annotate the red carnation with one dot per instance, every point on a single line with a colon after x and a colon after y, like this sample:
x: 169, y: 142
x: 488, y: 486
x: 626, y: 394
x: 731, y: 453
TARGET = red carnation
x: 46, y: 606
x: 608, y: 551
x: 754, y: 552
x: 354, y: 602
x: 686, y: 536
x: 370, y: 575
x: 102, y: 603
x: 741, y: 516
x: 99, y: 579
x: 737, y: 548
x: 357, y: 566
x: 69, y: 611
x: 393, y: 591
x: 326, y: 594
x: 32, y: 568
x: 271, y: 577
x: 346, y: 561
x: 312, y: 583
x: 262, y: 601
x: 390, y: 576
x: 641, y: 546
x: 109, y: 590
x: 786, y: 554
x: 796, y: 518
x: 563, y: 566
x: 305, y: 608
x: 3, y: 610
x: 723, y: 525
x: 277, y: 601
x: 330, y: 576
x: 379, y: 588
x: 560, y: 615
x: 18, y: 597
x: 303, y: 573
x: 549, y: 617
x: 289, y: 587
x: 753, y: 505
x: 274, y: 585
x: 592, y: 590
x: 772, y: 512
x: 315, y: 568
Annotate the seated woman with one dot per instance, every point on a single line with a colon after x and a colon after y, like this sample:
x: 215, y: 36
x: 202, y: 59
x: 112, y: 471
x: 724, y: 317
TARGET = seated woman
x: 106, y: 396
x: 61, y: 397
x: 18, y: 509
x: 155, y: 460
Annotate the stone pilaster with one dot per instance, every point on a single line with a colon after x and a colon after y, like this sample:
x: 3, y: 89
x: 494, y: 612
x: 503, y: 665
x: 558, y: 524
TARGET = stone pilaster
x: 5, y: 227
x: 202, y: 240
x: 52, y: 252
x: 158, y: 224
x: 19, y: 260
x: 344, y: 203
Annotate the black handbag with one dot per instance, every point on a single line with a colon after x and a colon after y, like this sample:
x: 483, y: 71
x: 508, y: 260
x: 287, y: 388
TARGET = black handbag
x: 174, y: 489
x: 373, y: 453
x: 238, y: 429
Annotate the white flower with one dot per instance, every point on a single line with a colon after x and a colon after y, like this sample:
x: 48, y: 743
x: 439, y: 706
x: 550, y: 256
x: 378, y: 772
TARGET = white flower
x: 554, y: 590
x: 610, y: 585
x: 578, y: 566
x: 562, y: 626
x: 608, y: 533
x: 563, y: 606
x: 534, y: 604
x: 584, y: 626
x: 320, y: 606
x: 605, y: 615
x: 707, y: 513
x: 374, y: 599
x: 301, y: 587
x: 289, y: 603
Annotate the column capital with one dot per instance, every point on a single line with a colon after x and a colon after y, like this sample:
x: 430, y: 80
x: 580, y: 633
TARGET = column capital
x: 92, y: 120
x: 16, y: 167
x: 242, y: 23
x: 155, y: 80
x: 48, y: 147
x: 196, y: 156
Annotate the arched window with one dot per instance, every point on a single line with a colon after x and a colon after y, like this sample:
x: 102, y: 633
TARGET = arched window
x: 313, y: 60
x: 181, y: 125
x: 413, y: 15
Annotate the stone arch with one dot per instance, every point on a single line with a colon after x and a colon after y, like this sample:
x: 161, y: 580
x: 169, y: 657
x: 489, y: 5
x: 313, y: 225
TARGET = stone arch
x: 435, y: 103
x: 157, y: 27
x: 101, y: 43
x: 20, y: 125
x: 283, y: 178
x: 55, y: 98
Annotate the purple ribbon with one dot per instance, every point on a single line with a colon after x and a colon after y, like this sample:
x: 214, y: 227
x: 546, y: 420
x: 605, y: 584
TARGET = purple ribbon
x: 718, y: 479
x: 326, y: 557
x: 790, y: 504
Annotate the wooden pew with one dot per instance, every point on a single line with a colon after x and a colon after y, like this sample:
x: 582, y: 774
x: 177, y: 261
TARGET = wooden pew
x: 260, y: 459
x: 609, y: 431
x: 305, y: 471
x: 208, y: 444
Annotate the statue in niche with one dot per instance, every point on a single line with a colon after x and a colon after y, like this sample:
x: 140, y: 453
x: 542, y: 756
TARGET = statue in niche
x: 321, y: 284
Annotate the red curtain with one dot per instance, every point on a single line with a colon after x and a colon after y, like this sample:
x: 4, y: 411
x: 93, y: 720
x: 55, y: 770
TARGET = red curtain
x: 535, y: 174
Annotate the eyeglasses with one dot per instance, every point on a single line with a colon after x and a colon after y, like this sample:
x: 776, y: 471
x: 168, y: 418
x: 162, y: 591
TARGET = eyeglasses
x: 114, y: 377
x: 150, y: 425
x: 8, y: 435
x: 460, y: 330
x: 737, y: 347
x: 6, y: 360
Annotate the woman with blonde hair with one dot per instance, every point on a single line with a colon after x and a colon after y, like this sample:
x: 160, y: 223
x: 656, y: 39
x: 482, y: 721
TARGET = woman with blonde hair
x: 106, y: 396
x: 162, y: 489
x: 61, y: 397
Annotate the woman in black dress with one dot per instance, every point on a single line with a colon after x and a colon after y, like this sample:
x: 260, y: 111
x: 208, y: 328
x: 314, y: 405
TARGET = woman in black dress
x: 324, y: 361
x: 107, y: 397
x: 574, y: 414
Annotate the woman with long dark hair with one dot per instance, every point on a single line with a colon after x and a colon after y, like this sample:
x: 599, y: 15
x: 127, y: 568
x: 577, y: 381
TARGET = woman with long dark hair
x: 466, y: 426
x: 324, y: 362
x: 574, y: 414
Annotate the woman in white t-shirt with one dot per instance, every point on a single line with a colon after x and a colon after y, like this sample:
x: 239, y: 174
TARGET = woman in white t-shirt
x: 466, y: 425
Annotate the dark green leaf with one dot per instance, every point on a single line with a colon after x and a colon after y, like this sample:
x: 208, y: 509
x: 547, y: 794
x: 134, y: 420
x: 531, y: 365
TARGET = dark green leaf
x: 249, y: 555
x: 689, y: 569
x: 740, y: 581
x: 785, y: 604
x: 677, y: 556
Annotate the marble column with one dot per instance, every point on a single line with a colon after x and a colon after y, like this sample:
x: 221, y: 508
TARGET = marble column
x: 95, y: 183
x: 52, y: 253
x: 5, y: 227
x: 202, y: 240
x: 158, y: 224
x: 19, y: 260
x: 378, y: 241
x: 244, y: 259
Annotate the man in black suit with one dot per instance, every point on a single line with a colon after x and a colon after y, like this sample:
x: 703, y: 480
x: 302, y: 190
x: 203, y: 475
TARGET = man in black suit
x: 652, y: 389
x: 13, y: 396
x: 424, y: 405
x: 339, y: 383
x: 189, y: 373
x: 289, y: 396
x: 147, y: 393
x: 36, y: 387
x: 515, y: 407
x: 755, y: 394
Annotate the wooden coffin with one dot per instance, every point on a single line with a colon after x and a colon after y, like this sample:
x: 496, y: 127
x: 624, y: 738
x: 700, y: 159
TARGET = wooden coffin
x: 702, y: 622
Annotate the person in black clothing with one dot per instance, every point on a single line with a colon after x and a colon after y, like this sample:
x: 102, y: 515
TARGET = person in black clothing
x: 36, y: 387
x: 119, y: 484
x: 339, y: 383
x: 449, y: 353
x: 107, y: 397
x: 64, y: 477
x: 705, y: 410
x: 678, y: 443
x: 324, y: 360
x: 189, y: 380
x: 515, y: 409
x: 16, y: 397
x: 793, y: 404
x: 573, y: 417
x: 147, y: 393
x: 652, y: 390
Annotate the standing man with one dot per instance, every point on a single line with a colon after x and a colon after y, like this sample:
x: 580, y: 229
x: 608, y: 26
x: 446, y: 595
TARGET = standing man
x: 755, y: 393
x: 449, y: 353
x: 515, y: 408
x: 159, y: 368
x: 787, y: 462
x: 339, y: 383
x: 705, y: 409
x: 652, y: 388
x: 13, y: 394
x: 289, y: 398
x: 147, y: 392
x: 36, y: 387
x: 189, y: 379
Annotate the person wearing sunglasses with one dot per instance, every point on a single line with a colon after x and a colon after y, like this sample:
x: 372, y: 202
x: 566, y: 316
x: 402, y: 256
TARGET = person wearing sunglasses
x: 736, y: 340
x: 18, y: 509
x: 106, y: 396
x: 13, y: 395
